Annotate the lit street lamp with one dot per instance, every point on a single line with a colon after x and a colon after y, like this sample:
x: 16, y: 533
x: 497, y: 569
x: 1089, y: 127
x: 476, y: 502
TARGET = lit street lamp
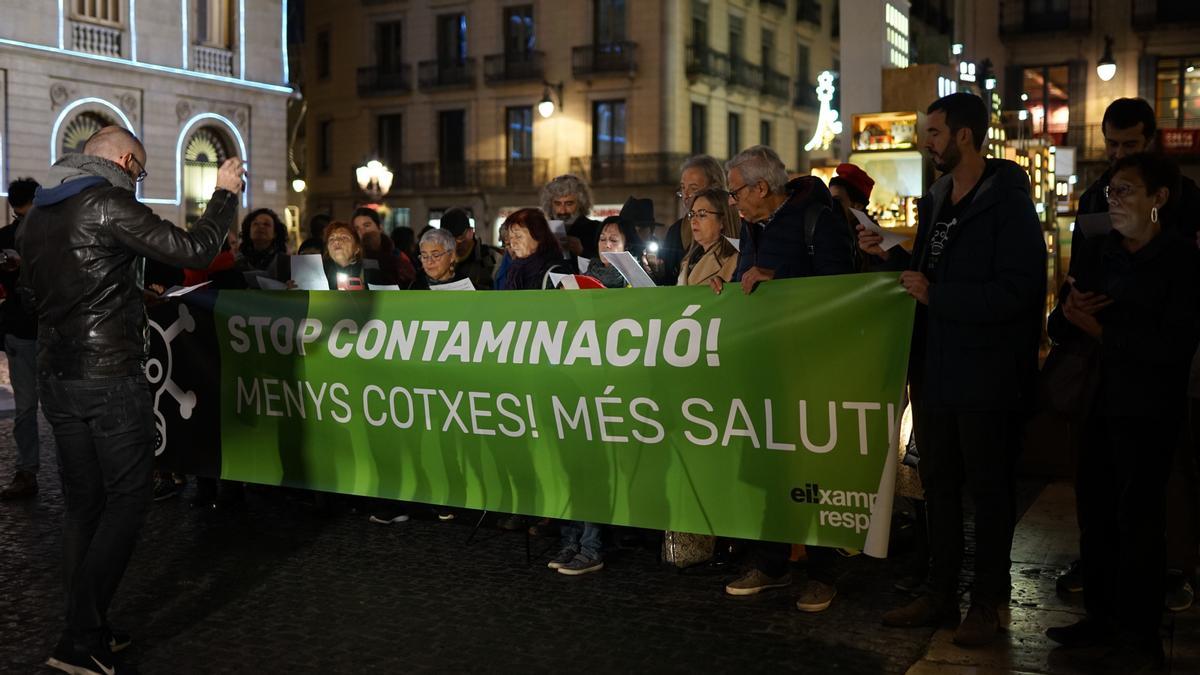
x: 546, y: 106
x: 374, y: 179
x: 1106, y: 68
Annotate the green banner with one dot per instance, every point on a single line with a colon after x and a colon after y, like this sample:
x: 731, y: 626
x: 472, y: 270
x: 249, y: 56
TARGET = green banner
x: 770, y: 416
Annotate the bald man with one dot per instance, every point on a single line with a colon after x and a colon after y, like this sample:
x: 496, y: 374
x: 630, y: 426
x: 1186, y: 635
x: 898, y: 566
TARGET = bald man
x: 79, y: 248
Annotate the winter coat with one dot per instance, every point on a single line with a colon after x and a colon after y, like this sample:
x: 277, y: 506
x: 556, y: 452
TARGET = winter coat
x: 780, y: 243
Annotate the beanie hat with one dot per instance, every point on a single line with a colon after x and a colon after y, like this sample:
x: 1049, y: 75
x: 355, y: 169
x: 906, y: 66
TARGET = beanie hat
x: 856, y: 182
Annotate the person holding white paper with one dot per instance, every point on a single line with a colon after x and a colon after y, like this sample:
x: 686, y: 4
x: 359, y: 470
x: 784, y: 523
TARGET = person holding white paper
x: 342, y: 261
x: 535, y: 251
x: 439, y: 264
x: 615, y: 236
x: 712, y: 223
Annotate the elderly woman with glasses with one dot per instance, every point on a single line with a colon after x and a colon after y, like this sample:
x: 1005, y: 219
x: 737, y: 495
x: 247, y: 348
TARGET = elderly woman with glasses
x: 343, y: 260
x: 1131, y: 305
x: 712, y: 222
x: 438, y: 260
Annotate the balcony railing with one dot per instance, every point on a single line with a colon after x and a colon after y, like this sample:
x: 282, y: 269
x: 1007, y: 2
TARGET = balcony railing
x: 612, y: 58
x: 1163, y: 13
x: 744, y: 74
x: 1016, y: 18
x: 806, y: 96
x: 389, y: 81
x: 446, y: 74
x: 775, y: 84
x: 648, y: 169
x: 704, y: 61
x: 516, y: 67
x: 781, y: 5
x: 94, y: 39
x: 212, y: 60
x: 493, y: 173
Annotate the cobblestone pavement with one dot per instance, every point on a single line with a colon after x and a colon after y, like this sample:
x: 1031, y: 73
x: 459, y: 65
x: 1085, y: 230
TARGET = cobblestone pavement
x: 281, y: 589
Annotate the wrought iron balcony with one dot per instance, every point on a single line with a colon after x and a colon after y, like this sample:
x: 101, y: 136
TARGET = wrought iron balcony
x: 1018, y: 18
x: 806, y: 96
x: 775, y: 84
x: 446, y: 74
x: 781, y: 5
x: 809, y: 11
x: 612, y: 58
x: 492, y: 173
x: 704, y: 61
x: 1149, y: 14
x: 514, y: 67
x: 389, y: 81
x: 745, y: 74
x: 645, y: 169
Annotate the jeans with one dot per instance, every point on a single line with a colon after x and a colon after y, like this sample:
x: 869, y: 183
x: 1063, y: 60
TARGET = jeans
x: 22, y: 370
x: 105, y: 433
x: 1121, y: 495
x: 584, y: 536
x: 978, y: 451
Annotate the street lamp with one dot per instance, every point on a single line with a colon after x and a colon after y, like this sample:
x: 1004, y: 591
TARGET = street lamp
x: 298, y: 185
x: 546, y: 106
x: 1106, y: 68
x: 374, y: 179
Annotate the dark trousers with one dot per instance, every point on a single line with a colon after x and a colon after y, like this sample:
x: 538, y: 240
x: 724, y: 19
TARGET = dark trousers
x: 105, y: 434
x: 1121, y: 495
x: 975, y: 450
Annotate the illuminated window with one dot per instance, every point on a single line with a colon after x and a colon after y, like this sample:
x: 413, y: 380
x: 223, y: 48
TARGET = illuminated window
x: 213, y: 25
x: 81, y: 127
x: 202, y: 156
x: 97, y: 11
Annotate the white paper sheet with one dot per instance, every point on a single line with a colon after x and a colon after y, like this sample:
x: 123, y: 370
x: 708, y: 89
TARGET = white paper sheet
x: 269, y: 284
x: 309, y: 273
x: 176, y: 291
x: 558, y: 228
x: 460, y: 285
x: 629, y: 268
x: 383, y: 287
x: 890, y: 239
x: 736, y: 243
x: 567, y: 280
x: 584, y: 264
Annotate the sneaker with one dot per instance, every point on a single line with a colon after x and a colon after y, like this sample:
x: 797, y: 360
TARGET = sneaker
x: 581, y: 565
x: 445, y: 515
x: 1083, y: 633
x: 755, y: 581
x: 164, y: 488
x: 816, y: 596
x: 927, y: 610
x: 23, y: 486
x: 1071, y: 581
x: 1179, y: 593
x: 75, y: 660
x: 980, y: 627
x: 388, y: 517
x: 564, y: 556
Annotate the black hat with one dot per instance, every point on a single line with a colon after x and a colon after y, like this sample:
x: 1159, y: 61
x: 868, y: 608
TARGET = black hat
x: 639, y: 212
x: 456, y: 221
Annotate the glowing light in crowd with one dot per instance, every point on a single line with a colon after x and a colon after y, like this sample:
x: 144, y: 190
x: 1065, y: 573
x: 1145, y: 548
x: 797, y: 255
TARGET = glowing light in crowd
x: 828, y: 124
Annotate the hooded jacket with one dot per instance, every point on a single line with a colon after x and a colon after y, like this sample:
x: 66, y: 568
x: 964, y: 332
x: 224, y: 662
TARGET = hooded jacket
x: 780, y: 243
x: 975, y: 346
x: 80, y: 247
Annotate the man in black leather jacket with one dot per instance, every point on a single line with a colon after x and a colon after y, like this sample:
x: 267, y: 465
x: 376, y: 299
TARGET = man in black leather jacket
x: 80, y: 246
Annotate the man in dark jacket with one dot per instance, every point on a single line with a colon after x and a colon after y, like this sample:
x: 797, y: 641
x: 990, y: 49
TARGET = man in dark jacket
x: 80, y: 246
x: 789, y: 230
x: 19, y: 326
x: 393, y: 263
x: 978, y: 272
x: 475, y: 260
x: 569, y: 199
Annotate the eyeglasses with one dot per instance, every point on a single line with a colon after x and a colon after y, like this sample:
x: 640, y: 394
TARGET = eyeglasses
x: 699, y: 213
x: 430, y: 257
x: 141, y: 174
x: 733, y: 194
x: 1119, y: 193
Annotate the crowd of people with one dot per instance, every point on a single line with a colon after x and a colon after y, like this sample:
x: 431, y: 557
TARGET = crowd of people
x: 1124, y: 335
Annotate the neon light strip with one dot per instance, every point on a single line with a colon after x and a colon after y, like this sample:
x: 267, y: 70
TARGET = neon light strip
x: 149, y: 66
x: 75, y: 104
x: 62, y: 44
x: 3, y: 178
x: 183, y: 12
x: 283, y: 43
x: 242, y: 39
x: 133, y: 29
x: 179, y: 153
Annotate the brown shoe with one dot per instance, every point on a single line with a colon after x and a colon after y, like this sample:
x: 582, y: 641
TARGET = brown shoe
x: 979, y: 628
x: 24, y: 485
x: 926, y: 610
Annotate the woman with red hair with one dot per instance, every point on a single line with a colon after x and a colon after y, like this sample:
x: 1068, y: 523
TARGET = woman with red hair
x: 534, y: 251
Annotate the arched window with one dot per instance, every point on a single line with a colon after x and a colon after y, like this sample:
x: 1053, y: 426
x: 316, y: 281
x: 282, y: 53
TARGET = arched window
x: 81, y: 127
x: 202, y: 156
